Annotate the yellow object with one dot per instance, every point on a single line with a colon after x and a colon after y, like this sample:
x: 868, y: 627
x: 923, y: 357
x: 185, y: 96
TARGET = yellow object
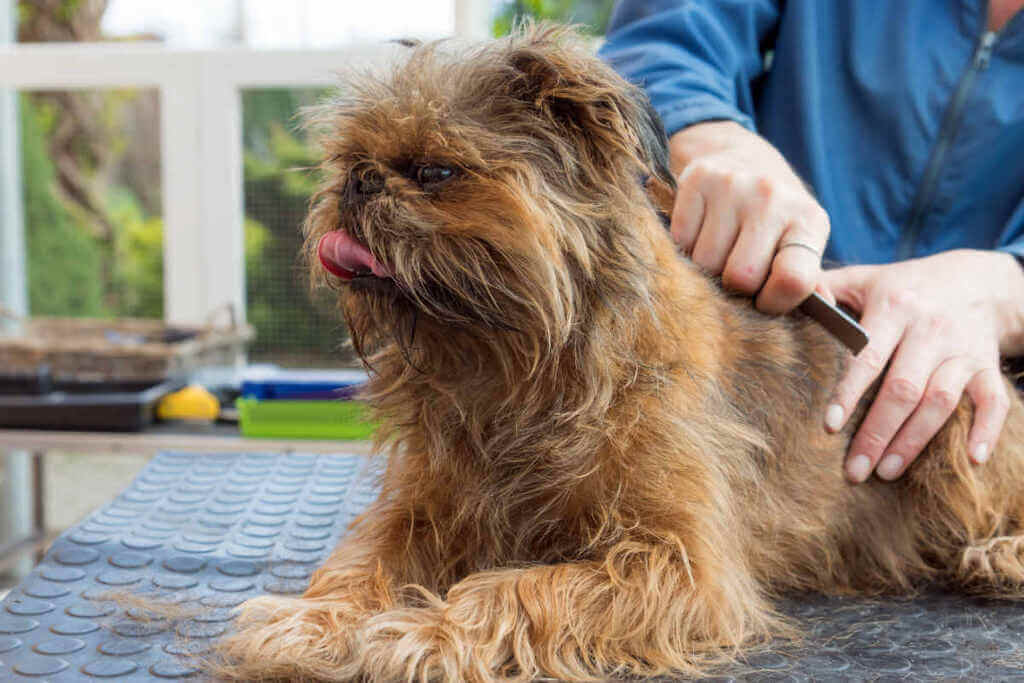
x: 191, y: 403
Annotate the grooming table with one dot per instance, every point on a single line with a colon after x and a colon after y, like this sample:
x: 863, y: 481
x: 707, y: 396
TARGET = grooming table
x: 218, y: 529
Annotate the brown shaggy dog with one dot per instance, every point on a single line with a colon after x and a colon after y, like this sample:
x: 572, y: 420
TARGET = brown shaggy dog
x: 598, y: 463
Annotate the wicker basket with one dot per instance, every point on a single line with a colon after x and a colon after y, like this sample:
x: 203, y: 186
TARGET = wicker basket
x: 126, y: 349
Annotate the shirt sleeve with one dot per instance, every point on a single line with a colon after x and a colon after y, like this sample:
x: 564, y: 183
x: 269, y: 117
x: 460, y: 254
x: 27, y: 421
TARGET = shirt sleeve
x: 696, y: 59
x: 1015, y: 249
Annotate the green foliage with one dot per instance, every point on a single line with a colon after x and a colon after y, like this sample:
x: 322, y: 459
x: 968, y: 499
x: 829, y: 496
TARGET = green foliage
x: 288, y: 161
x: 66, y: 271
x: 67, y: 9
x: 63, y: 261
x: 137, y: 280
x: 257, y: 237
x: 259, y: 301
x: 593, y: 15
x: 64, y: 11
x: 291, y: 326
x: 264, y: 109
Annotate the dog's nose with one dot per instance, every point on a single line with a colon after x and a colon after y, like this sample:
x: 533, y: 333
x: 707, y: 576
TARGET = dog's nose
x: 369, y: 183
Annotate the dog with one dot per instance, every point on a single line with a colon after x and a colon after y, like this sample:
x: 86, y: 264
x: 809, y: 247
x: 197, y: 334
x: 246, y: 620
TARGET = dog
x: 598, y: 462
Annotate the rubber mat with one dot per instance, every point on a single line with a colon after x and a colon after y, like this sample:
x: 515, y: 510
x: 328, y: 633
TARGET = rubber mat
x: 210, y: 529
x: 214, y: 530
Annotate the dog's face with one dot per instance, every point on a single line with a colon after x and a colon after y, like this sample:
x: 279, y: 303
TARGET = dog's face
x: 482, y: 193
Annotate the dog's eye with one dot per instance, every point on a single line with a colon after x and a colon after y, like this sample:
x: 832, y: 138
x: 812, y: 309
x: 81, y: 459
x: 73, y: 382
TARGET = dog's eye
x: 432, y: 175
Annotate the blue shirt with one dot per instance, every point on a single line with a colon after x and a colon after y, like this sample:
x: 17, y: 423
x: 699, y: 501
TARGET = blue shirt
x: 906, y: 117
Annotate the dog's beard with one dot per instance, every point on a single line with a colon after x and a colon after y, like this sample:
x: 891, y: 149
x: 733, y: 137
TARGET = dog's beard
x: 422, y: 293
x: 382, y: 318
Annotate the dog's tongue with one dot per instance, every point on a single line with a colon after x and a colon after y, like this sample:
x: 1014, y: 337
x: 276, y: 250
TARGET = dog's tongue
x: 343, y: 256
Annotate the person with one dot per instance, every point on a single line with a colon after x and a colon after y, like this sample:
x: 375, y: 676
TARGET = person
x: 906, y: 119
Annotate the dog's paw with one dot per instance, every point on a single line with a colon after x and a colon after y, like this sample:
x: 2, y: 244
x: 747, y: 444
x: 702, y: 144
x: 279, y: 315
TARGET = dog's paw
x: 288, y: 639
x: 995, y: 566
x: 422, y: 644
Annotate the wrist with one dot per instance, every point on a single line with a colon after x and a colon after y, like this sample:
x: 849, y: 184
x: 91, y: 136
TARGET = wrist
x: 702, y: 139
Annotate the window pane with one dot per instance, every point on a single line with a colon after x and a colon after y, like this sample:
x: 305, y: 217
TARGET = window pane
x: 91, y: 183
x: 293, y: 328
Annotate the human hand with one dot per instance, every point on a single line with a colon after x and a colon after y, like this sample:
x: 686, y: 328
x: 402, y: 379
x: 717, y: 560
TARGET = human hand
x: 742, y: 212
x: 941, y: 324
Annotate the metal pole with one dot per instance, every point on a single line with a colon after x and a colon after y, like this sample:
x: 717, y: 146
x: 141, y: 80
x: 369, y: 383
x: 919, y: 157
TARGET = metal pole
x: 15, y: 494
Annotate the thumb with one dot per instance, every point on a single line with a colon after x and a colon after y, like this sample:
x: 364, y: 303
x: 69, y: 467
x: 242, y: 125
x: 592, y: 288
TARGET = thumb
x: 822, y: 289
x: 847, y: 285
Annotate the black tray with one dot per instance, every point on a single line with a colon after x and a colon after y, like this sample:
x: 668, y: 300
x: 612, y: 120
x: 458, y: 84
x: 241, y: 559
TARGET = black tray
x: 127, y: 406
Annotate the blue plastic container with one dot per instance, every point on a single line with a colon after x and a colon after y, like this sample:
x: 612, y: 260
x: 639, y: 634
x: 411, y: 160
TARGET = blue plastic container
x: 266, y: 383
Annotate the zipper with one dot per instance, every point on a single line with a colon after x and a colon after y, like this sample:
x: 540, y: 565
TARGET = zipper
x: 947, y: 132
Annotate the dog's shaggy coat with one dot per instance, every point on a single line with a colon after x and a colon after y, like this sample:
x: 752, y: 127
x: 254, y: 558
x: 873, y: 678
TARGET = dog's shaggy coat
x: 598, y: 462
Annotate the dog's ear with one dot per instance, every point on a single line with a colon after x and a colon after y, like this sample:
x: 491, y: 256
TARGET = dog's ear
x: 589, y: 101
x: 661, y: 184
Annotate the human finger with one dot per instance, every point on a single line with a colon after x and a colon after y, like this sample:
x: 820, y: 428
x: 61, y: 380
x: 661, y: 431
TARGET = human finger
x: 822, y: 289
x: 864, y: 368
x: 991, y: 405
x: 687, y: 213
x: 849, y: 285
x: 717, y: 235
x: 750, y: 260
x: 941, y: 396
x: 898, y: 397
x: 795, y: 269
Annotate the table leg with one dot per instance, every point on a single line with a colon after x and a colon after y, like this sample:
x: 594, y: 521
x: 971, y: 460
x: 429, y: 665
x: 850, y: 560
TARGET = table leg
x: 18, y: 518
x: 39, y: 499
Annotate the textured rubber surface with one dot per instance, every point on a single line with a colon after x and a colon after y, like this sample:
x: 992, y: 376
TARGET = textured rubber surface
x: 212, y: 529
x: 215, y: 530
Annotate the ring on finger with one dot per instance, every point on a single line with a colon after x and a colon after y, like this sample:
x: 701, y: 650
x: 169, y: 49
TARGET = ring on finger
x: 801, y: 245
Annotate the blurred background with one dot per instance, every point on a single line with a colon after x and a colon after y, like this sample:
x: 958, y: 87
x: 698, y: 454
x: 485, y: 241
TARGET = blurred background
x: 90, y: 159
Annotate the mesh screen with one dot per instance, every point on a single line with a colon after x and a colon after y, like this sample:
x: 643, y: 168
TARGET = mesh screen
x: 293, y: 328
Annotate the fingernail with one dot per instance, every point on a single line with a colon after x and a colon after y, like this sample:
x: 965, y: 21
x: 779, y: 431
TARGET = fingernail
x: 980, y: 454
x: 890, y: 467
x: 834, y: 417
x: 859, y: 468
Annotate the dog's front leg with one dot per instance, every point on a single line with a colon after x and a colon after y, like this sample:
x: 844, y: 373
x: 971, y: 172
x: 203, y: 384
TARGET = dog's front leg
x: 645, y: 609
x: 316, y: 636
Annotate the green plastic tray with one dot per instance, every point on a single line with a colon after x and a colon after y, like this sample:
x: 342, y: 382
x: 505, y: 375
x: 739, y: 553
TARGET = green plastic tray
x: 293, y: 419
